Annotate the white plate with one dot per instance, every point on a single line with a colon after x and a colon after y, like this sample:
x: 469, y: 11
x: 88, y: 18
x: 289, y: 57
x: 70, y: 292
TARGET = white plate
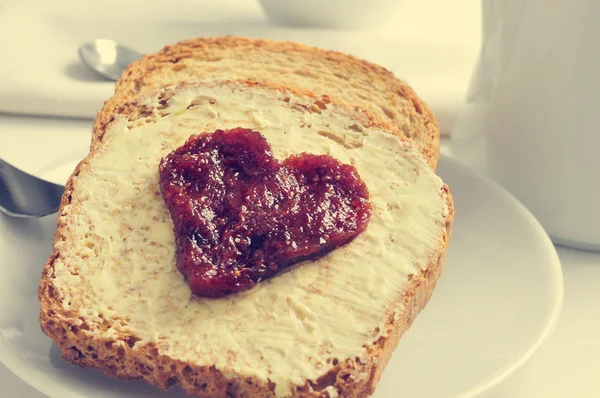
x: 499, y: 298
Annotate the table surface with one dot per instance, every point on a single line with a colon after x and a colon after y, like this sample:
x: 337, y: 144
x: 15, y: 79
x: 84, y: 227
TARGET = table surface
x: 565, y: 366
x: 423, y: 35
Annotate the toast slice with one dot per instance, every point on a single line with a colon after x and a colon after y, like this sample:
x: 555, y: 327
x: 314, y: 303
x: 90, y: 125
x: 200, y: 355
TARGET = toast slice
x: 112, y: 298
x: 352, y: 80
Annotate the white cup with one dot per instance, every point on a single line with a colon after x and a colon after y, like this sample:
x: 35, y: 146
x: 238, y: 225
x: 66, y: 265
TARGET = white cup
x: 333, y: 14
x: 532, y: 118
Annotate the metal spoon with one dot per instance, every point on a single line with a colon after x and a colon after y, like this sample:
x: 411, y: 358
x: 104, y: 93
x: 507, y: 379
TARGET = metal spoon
x: 107, y: 57
x: 23, y: 195
x: 26, y: 196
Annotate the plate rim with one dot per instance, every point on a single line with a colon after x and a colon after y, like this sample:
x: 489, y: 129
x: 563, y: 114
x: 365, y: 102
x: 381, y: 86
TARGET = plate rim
x: 14, y: 361
x: 557, y: 278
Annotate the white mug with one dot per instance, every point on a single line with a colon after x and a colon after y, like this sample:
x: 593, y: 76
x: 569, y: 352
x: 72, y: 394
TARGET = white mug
x: 532, y: 121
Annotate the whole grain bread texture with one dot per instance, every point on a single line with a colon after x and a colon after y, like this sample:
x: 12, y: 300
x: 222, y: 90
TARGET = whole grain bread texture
x: 350, y: 79
x: 87, y: 326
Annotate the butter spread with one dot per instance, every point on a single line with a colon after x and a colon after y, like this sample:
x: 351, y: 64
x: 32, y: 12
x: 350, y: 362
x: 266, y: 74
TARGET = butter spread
x: 120, y: 265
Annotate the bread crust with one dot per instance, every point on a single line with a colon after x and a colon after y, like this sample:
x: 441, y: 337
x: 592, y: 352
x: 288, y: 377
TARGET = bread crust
x: 116, y: 357
x: 137, y: 78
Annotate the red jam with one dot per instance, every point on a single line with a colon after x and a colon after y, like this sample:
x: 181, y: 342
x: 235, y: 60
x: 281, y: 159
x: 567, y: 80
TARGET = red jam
x: 241, y: 216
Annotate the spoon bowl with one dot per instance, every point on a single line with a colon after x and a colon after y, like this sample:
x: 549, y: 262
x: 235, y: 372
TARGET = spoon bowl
x: 26, y: 196
x: 107, y: 57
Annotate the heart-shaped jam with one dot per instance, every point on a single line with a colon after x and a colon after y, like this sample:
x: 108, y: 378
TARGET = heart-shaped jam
x: 241, y: 216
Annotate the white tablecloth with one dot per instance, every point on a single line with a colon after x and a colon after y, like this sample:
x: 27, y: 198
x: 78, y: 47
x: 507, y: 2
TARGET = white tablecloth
x: 566, y: 365
x: 433, y: 45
